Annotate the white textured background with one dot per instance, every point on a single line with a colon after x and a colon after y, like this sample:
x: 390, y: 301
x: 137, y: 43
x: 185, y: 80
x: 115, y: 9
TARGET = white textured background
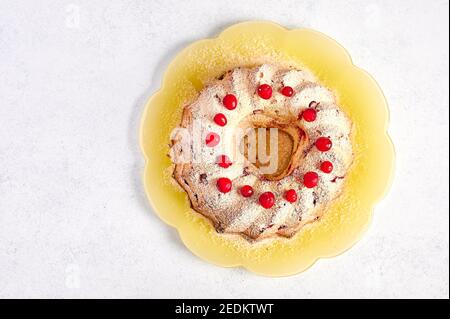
x: 74, y: 221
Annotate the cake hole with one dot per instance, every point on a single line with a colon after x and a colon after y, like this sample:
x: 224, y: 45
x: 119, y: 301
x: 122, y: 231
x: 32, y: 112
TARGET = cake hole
x: 273, y: 144
x: 274, y: 163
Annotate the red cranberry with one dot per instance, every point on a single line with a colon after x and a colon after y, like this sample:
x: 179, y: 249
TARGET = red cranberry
x: 310, y: 179
x: 246, y: 191
x: 326, y: 167
x: 323, y: 144
x: 220, y: 119
x: 212, y: 139
x: 267, y: 199
x: 287, y: 91
x: 309, y: 115
x: 265, y: 91
x: 230, y: 101
x: 223, y: 161
x: 224, y: 185
x: 291, y: 195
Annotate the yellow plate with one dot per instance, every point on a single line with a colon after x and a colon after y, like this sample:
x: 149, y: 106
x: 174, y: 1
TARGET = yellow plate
x: 247, y: 44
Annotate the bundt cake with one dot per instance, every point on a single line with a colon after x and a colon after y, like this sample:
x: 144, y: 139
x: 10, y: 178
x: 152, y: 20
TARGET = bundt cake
x: 306, y: 135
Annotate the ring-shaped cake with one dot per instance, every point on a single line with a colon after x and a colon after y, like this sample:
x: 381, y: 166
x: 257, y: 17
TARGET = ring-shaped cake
x: 227, y: 187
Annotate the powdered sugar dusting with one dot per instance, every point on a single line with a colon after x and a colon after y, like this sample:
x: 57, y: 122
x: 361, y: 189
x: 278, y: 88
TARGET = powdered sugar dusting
x: 231, y: 212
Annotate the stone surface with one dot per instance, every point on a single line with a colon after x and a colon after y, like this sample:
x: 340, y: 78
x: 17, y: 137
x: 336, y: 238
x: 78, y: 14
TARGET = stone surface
x: 74, y: 221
